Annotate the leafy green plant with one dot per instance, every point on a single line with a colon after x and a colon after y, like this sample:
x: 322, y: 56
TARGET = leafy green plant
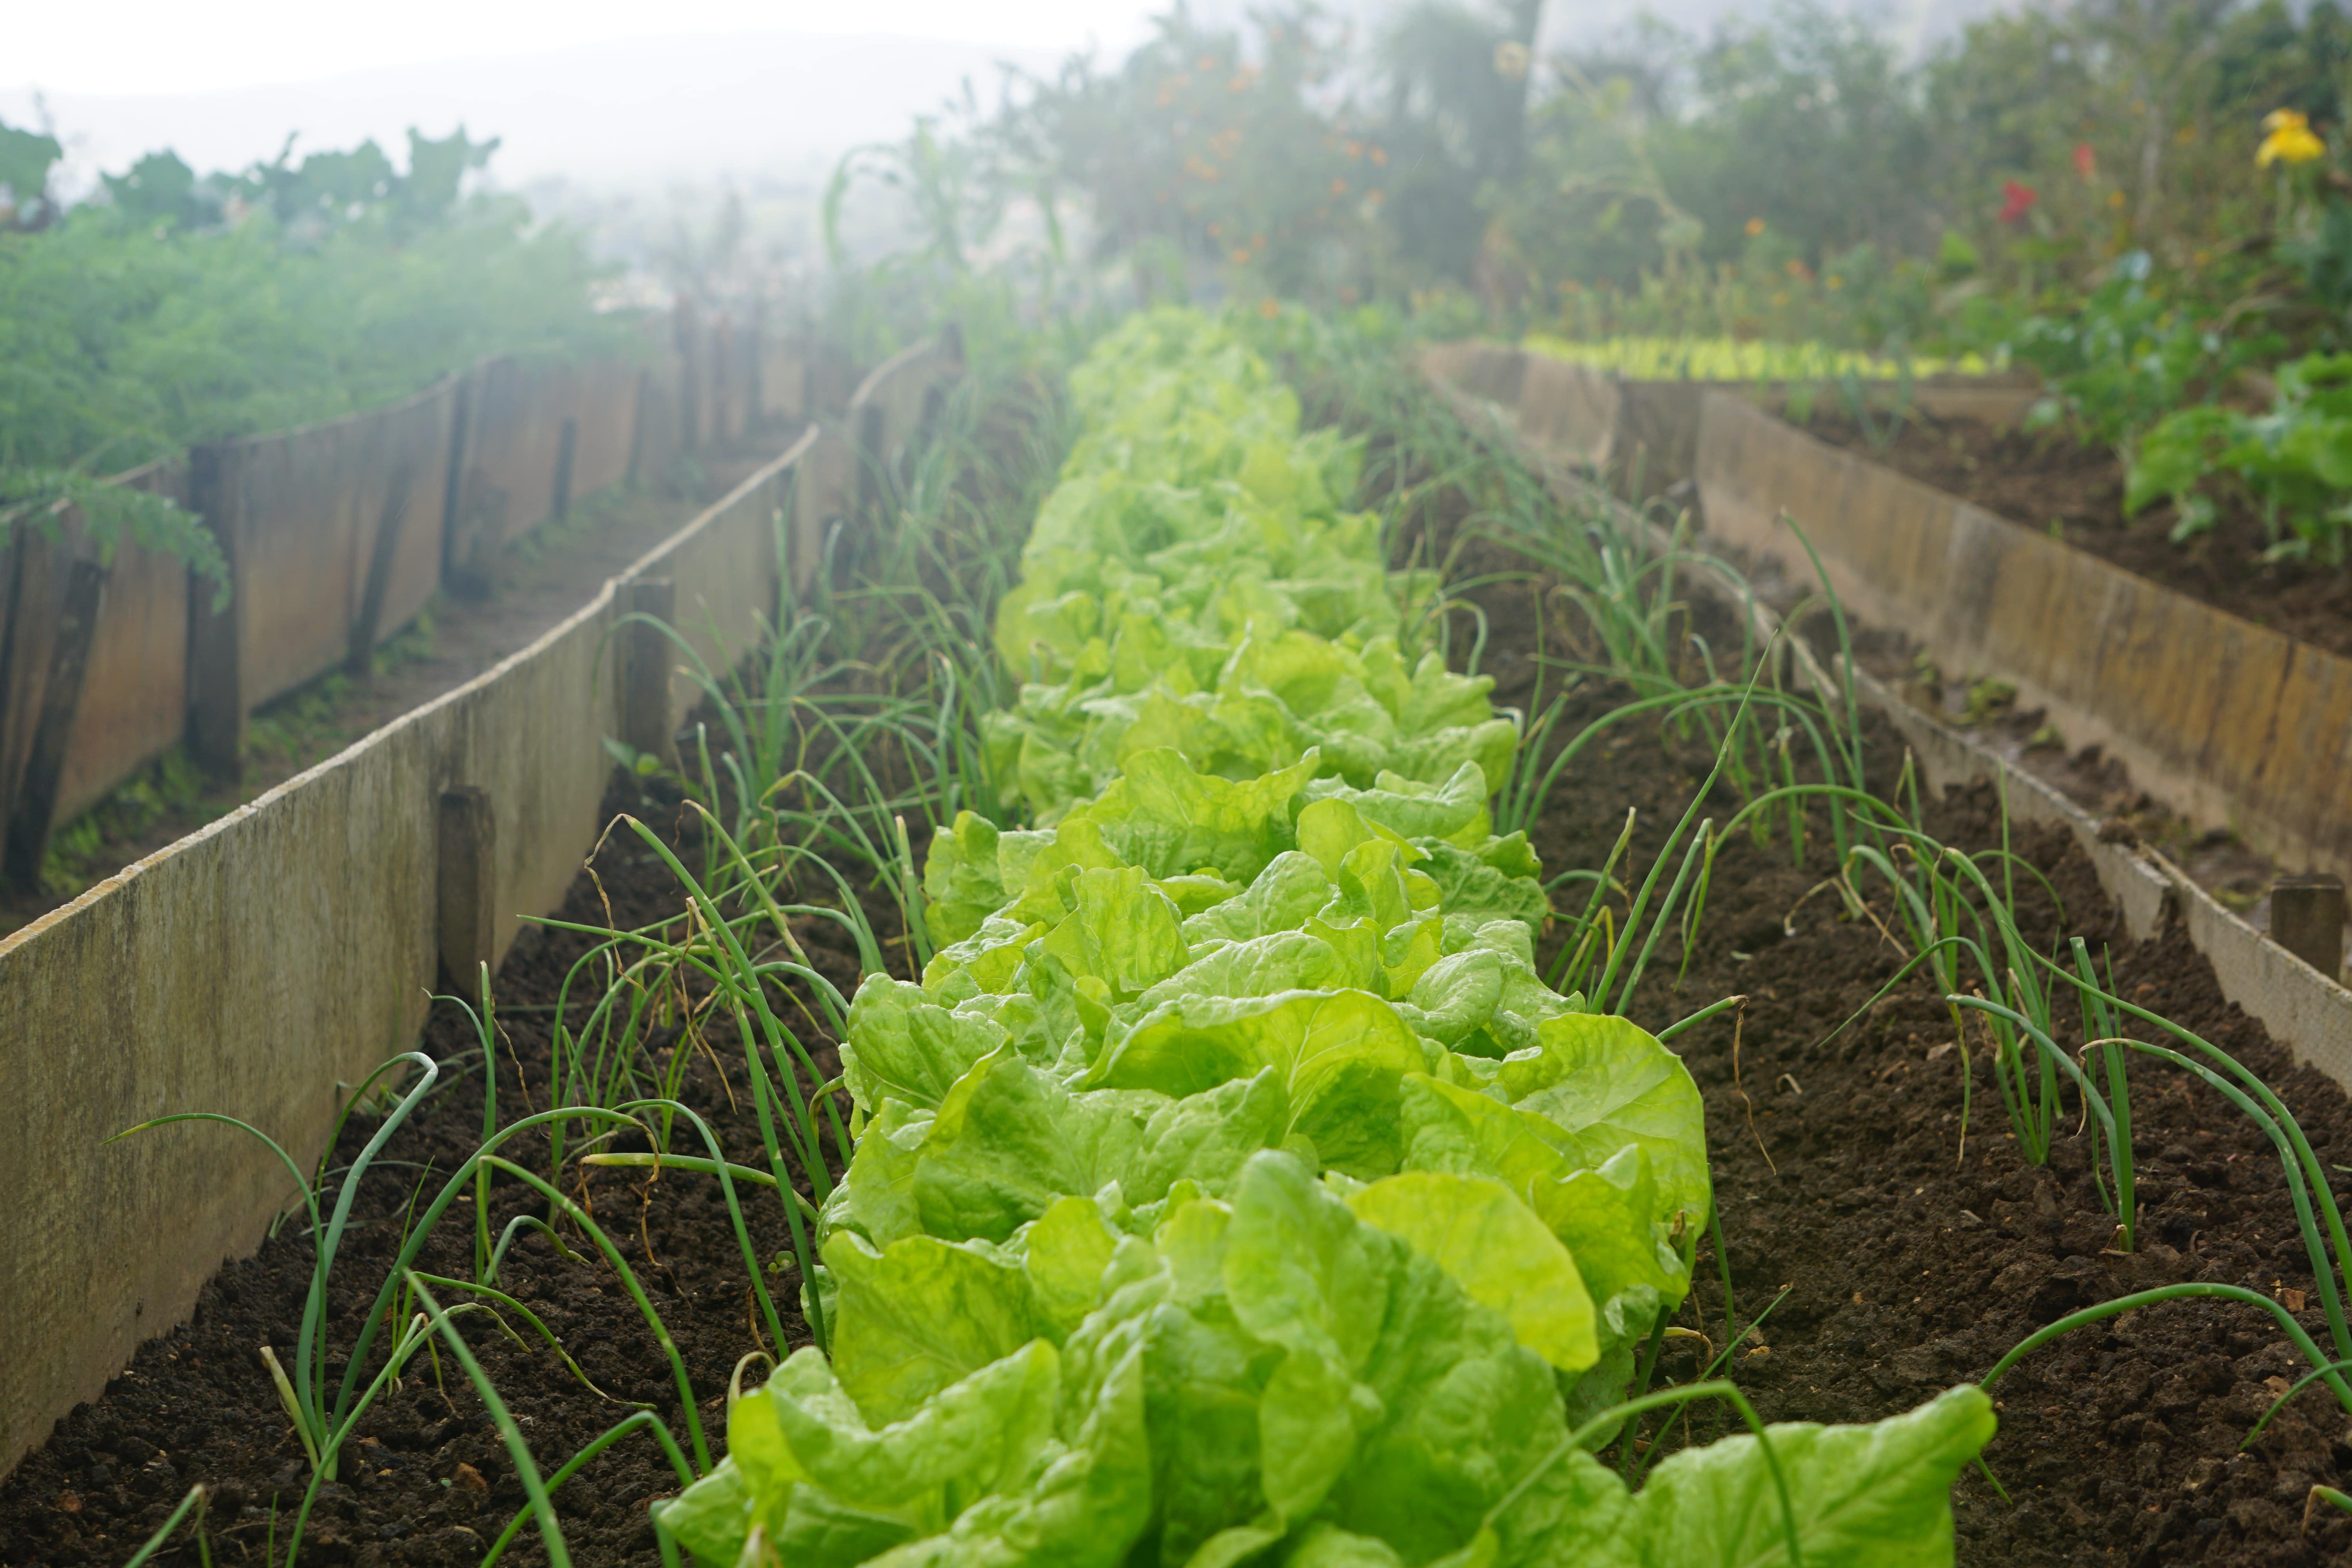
x: 1246, y: 1087
x: 2294, y: 462
x: 132, y: 329
x: 1737, y: 359
x: 1308, y: 1338
x: 2318, y: 1216
x: 2128, y: 354
x: 321, y: 1426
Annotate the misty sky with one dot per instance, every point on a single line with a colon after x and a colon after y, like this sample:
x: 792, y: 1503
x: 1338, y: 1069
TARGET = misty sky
x: 136, y: 48
x: 596, y: 90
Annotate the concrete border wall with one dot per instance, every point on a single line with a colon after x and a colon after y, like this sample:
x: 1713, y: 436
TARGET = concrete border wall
x: 516, y: 413
x: 338, y: 534
x: 2227, y: 723
x: 133, y: 699
x: 260, y: 967
x: 1643, y: 434
x: 309, y: 515
x: 2308, y: 1012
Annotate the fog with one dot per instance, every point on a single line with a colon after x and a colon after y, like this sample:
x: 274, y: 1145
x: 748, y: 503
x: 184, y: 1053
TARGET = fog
x: 600, y: 95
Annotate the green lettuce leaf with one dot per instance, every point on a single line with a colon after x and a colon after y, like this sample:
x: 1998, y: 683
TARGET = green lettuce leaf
x: 1492, y: 1245
x: 919, y: 1315
x: 1864, y: 1495
x: 1339, y: 1055
x: 904, y: 1046
x: 1607, y: 1083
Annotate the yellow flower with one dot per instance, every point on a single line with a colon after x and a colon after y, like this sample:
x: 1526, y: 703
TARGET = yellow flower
x: 1238, y: 256
x: 2290, y: 139
x: 1755, y: 227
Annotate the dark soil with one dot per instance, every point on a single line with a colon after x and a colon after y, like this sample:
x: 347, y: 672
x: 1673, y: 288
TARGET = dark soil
x: 2046, y: 480
x: 1914, y: 1260
x: 2234, y: 872
x: 430, y: 1481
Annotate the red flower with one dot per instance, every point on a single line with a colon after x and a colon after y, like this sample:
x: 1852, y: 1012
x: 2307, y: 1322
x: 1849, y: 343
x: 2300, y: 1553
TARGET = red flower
x: 2086, y: 163
x: 2017, y: 200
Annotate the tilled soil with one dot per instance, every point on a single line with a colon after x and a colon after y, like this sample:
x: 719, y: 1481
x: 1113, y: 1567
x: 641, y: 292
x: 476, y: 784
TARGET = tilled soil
x: 430, y: 1481
x: 2046, y: 480
x: 1912, y: 1258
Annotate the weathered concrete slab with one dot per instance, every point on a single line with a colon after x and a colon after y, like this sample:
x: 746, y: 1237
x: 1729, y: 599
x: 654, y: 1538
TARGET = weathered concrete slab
x: 310, y: 508
x: 2228, y: 723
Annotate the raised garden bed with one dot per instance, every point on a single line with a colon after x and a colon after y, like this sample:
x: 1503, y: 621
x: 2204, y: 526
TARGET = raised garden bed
x: 2045, y: 479
x: 1909, y: 1268
x: 1899, y: 1260
x: 429, y: 1482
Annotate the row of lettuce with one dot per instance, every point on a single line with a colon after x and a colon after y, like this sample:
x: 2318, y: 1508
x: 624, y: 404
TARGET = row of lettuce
x: 1231, y: 1187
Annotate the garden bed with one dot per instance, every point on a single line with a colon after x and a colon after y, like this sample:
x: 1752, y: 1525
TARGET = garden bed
x: 1905, y: 1255
x: 1908, y: 1269
x: 530, y: 586
x: 2045, y: 479
x: 432, y: 1483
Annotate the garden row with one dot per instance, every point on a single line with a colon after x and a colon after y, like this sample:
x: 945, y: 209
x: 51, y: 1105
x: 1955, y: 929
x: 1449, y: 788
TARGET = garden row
x: 281, y: 954
x: 1240, y: 1164
x: 1231, y: 1184
x: 2218, y: 718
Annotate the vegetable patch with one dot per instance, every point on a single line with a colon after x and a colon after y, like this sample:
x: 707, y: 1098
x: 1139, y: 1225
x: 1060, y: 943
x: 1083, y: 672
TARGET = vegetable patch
x: 1231, y: 1188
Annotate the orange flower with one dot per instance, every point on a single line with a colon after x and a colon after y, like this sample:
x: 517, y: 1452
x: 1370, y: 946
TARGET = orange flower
x: 1239, y: 255
x: 1339, y: 187
x: 1755, y: 228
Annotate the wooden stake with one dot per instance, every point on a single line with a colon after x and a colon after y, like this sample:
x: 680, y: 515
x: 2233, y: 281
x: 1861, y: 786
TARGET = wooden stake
x: 381, y: 562
x: 467, y: 904
x: 216, y: 635
x: 559, y: 504
x: 646, y: 724
x: 37, y: 797
x: 2307, y: 920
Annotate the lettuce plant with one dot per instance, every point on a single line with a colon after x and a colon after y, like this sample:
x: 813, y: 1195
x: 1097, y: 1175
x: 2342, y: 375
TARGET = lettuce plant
x: 1231, y: 1186
x: 2295, y: 462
